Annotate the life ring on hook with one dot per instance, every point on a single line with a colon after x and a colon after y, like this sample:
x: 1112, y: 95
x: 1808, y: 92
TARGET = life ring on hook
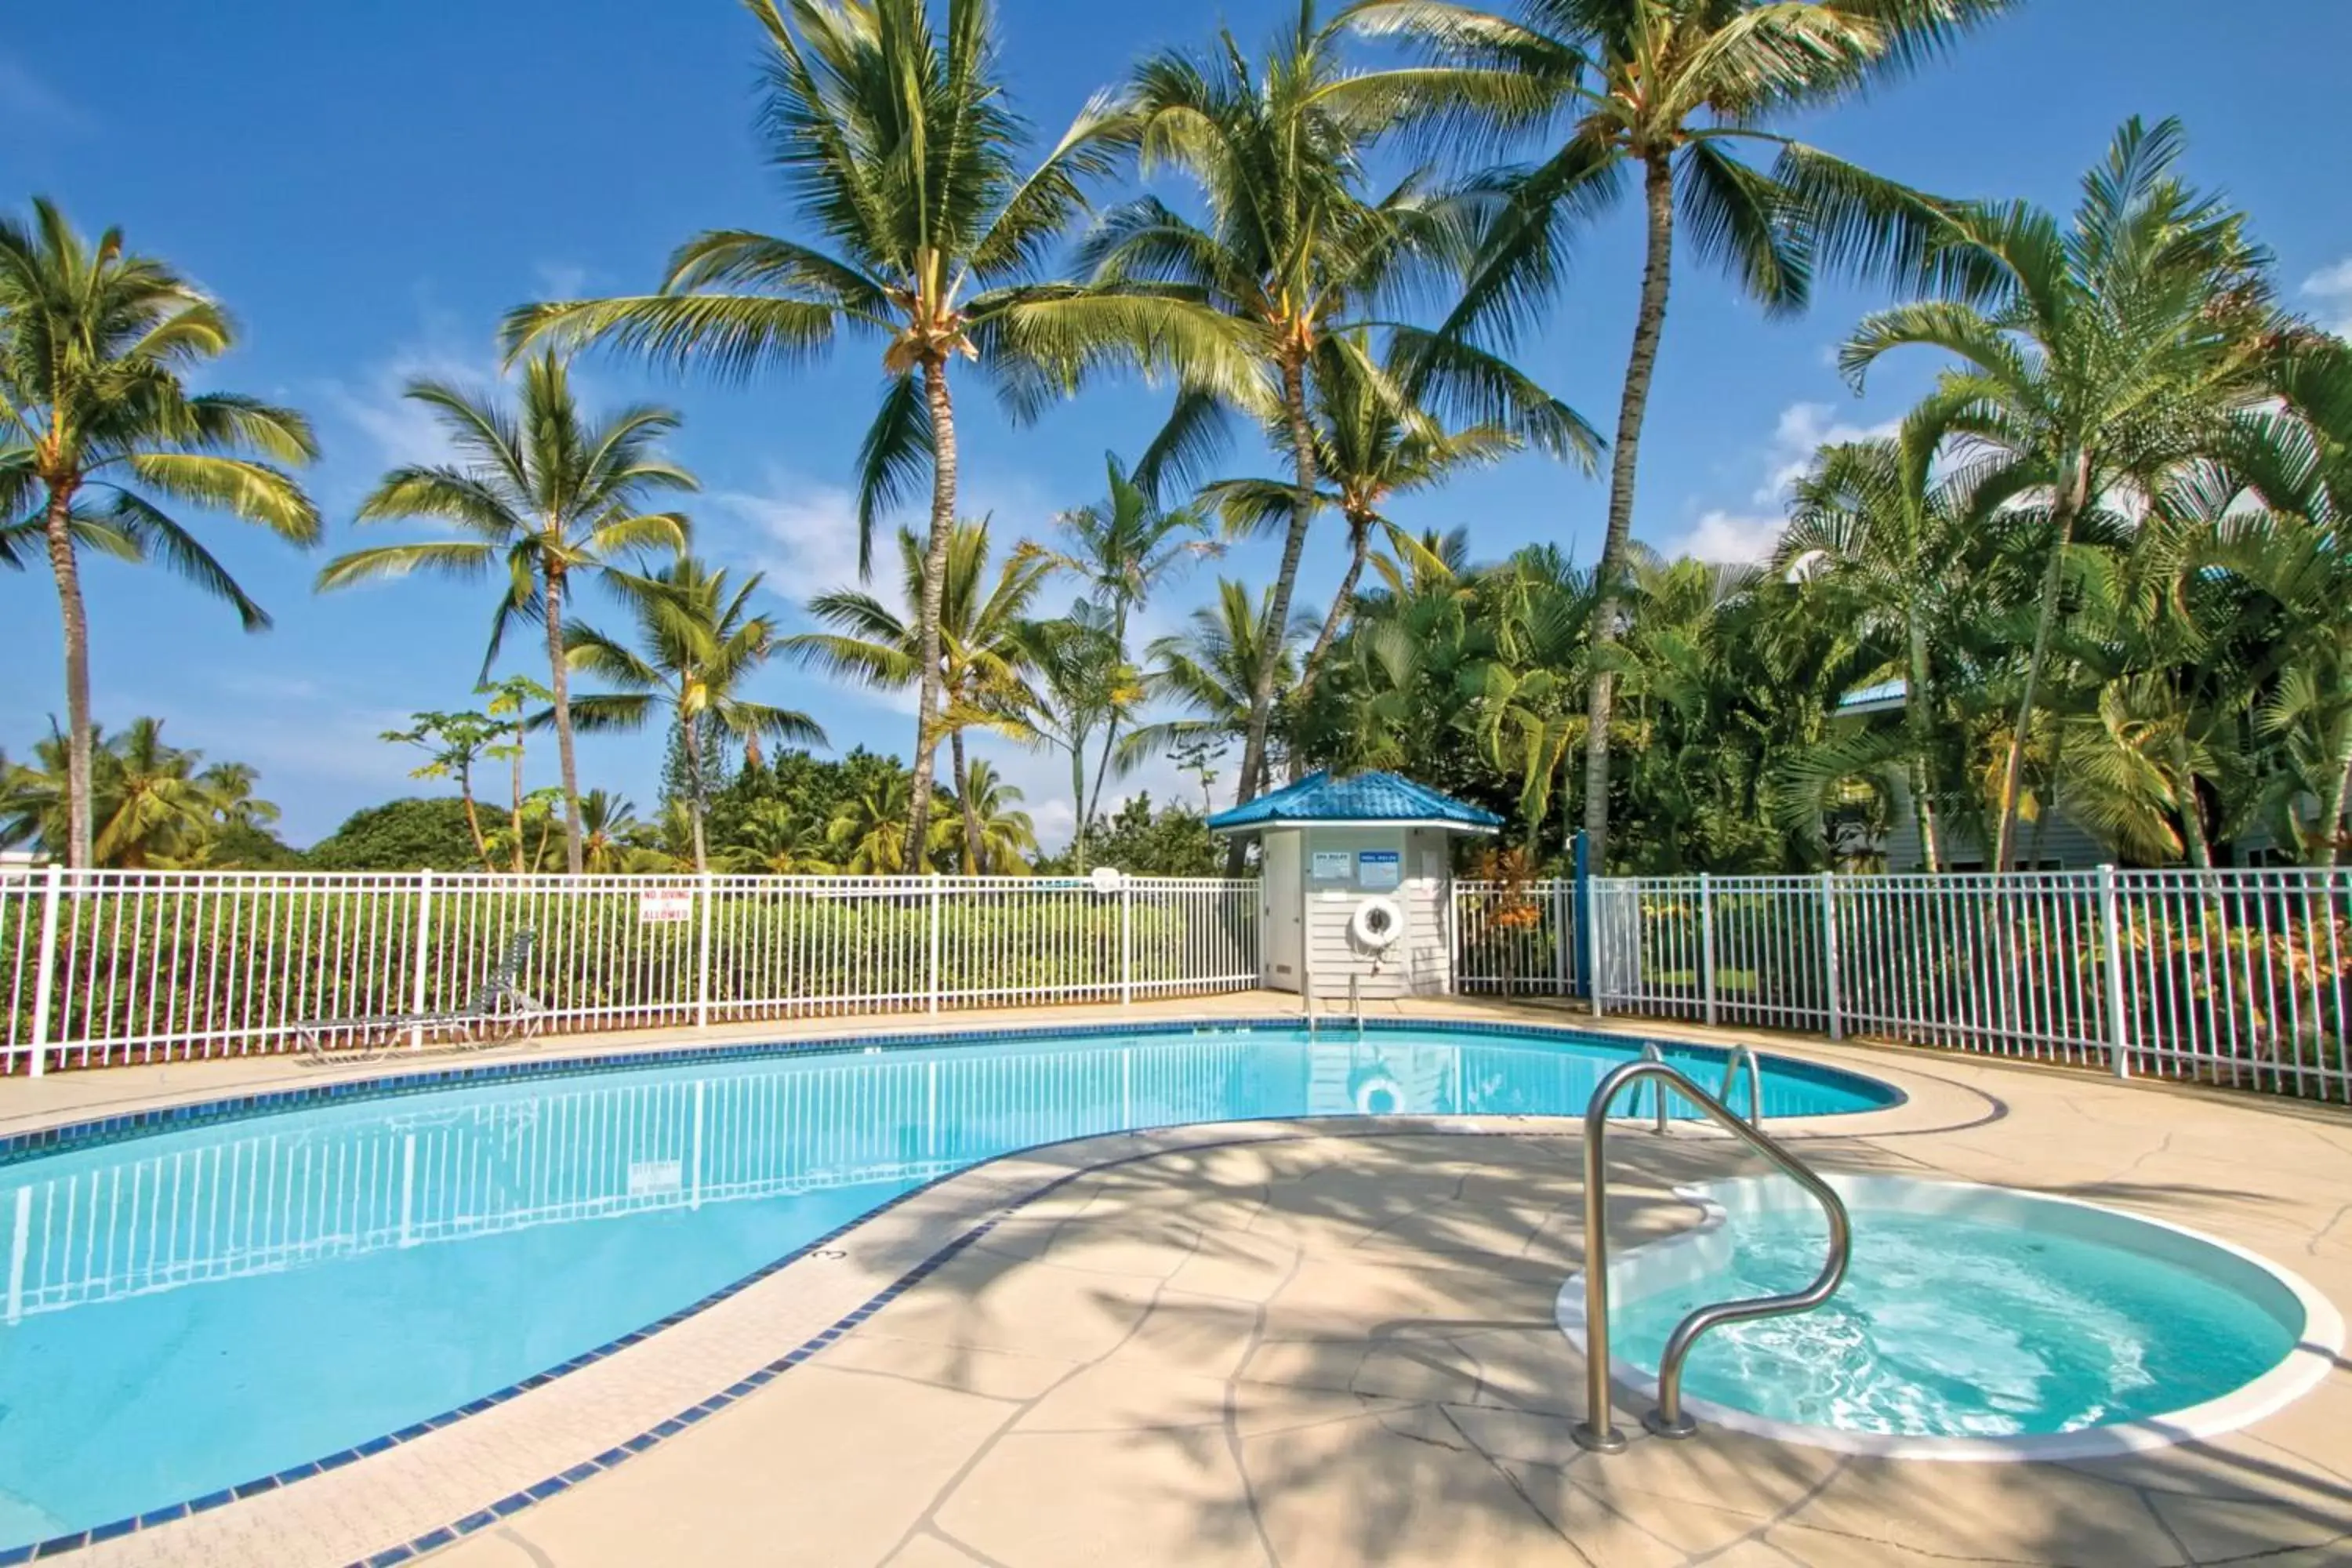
x: 1376, y: 924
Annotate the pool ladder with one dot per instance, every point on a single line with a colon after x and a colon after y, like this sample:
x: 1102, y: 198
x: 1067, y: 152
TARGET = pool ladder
x: 1598, y: 1430
x: 1355, y: 1011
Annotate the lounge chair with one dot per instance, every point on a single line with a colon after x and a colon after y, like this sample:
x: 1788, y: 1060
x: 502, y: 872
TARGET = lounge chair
x: 497, y: 1000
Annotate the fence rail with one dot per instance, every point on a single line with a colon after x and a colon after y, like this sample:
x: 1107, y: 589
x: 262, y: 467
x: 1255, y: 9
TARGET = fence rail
x: 2241, y: 978
x: 100, y: 967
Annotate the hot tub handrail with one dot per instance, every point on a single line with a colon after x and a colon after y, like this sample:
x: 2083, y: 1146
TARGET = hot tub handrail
x: 1598, y: 1431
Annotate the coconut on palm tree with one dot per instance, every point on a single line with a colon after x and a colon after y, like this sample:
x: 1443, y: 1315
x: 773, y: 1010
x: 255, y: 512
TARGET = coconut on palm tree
x: 98, y: 433
x: 978, y: 635
x: 1672, y: 91
x: 550, y: 496
x: 2095, y: 360
x: 697, y: 648
x: 896, y: 140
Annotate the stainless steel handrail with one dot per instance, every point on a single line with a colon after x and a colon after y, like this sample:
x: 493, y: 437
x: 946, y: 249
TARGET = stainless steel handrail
x: 1598, y: 1430
x: 1649, y: 1053
x: 1741, y: 1056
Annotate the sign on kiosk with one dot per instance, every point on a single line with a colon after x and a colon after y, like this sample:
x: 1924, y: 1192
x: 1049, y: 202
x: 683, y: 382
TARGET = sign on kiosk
x: 1379, y: 870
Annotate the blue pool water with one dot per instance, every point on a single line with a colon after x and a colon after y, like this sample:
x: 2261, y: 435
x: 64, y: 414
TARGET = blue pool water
x: 189, y: 1310
x: 1952, y: 1326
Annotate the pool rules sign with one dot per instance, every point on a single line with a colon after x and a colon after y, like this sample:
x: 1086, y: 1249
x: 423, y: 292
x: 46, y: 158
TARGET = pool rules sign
x: 665, y: 905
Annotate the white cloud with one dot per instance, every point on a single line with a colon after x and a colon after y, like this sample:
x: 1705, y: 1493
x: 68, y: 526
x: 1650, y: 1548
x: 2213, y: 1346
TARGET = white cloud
x: 1728, y: 536
x: 802, y: 533
x: 403, y: 430
x: 2332, y: 287
x: 1747, y: 533
x: 1803, y: 430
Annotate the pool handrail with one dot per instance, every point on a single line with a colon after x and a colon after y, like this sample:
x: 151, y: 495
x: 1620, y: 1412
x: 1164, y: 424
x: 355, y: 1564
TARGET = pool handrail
x: 1742, y: 1056
x: 1598, y: 1431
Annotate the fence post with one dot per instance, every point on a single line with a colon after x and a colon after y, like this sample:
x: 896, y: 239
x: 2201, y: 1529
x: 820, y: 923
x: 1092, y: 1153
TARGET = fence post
x: 933, y: 970
x: 47, y: 973
x: 1126, y: 941
x: 421, y: 971
x: 702, y: 956
x: 1830, y: 953
x: 1706, y: 945
x: 2110, y: 938
x: 1563, y: 923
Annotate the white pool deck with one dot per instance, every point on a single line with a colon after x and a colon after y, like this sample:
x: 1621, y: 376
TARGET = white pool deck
x: 1314, y: 1344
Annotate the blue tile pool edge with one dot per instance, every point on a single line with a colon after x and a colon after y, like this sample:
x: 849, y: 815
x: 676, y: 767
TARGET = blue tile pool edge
x: 71, y: 1136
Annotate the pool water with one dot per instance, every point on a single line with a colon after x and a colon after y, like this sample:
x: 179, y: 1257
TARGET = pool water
x: 1951, y: 1327
x: 190, y: 1310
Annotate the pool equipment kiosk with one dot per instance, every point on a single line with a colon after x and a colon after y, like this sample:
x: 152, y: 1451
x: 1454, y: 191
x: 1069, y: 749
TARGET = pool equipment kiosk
x: 1356, y: 881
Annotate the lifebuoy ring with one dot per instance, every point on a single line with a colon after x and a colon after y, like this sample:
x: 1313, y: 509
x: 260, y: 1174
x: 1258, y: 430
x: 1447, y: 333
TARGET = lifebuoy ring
x: 1376, y: 924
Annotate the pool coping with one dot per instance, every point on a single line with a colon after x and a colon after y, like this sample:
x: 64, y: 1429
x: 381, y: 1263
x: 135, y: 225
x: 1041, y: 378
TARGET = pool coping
x: 2306, y: 1364
x: 74, y: 1137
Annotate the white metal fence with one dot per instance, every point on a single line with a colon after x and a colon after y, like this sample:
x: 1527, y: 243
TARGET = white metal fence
x: 2241, y: 978
x: 1518, y: 943
x: 117, y: 966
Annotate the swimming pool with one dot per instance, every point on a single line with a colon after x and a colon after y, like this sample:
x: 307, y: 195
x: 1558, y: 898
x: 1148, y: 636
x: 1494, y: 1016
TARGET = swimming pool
x: 1974, y: 1322
x: 190, y: 1310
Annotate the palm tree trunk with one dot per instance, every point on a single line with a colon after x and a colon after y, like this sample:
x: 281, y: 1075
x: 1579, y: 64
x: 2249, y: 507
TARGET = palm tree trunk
x: 57, y: 527
x: 2071, y: 498
x: 514, y: 817
x: 1641, y: 368
x: 970, y: 811
x: 473, y: 815
x: 2192, y: 809
x: 2331, y: 823
x: 1360, y: 541
x: 691, y: 733
x: 935, y: 571
x: 1920, y: 722
x: 1277, y: 611
x: 1079, y: 799
x: 560, y: 683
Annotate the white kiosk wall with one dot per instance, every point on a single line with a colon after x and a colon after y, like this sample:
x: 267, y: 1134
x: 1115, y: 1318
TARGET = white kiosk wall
x: 1330, y: 872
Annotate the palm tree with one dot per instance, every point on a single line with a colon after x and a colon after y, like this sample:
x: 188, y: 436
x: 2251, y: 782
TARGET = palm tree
x: 98, y: 432
x: 548, y: 495
x: 1073, y: 683
x: 869, y: 832
x: 697, y: 648
x: 1006, y: 833
x: 1216, y: 667
x: 609, y: 830
x: 978, y: 628
x: 1290, y: 251
x: 2095, y: 360
x: 896, y: 141
x: 1377, y: 435
x: 785, y: 841
x: 155, y: 805
x: 1672, y: 89
x: 1874, y: 524
x: 1123, y: 549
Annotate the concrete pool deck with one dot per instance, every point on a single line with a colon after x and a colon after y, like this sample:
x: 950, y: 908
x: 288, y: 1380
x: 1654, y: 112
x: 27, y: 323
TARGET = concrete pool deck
x: 1307, y: 1343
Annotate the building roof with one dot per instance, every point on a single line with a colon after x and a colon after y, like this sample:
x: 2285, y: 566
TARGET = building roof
x: 1886, y: 697
x: 1365, y: 798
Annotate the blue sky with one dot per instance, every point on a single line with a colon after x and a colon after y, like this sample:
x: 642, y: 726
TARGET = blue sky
x: 369, y: 188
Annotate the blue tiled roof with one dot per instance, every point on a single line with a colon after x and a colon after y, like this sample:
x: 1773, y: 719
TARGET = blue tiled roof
x: 1365, y: 797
